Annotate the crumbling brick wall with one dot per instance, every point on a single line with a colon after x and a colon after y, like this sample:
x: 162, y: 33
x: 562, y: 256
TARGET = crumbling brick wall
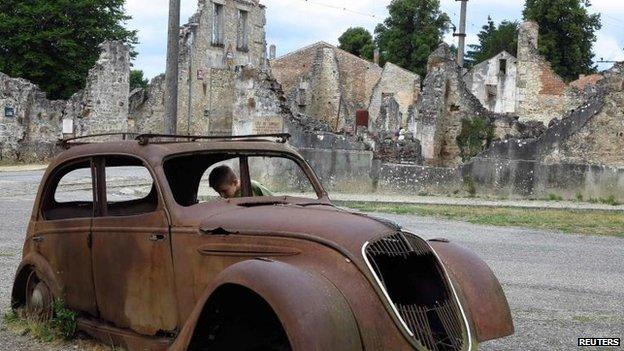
x: 541, y: 93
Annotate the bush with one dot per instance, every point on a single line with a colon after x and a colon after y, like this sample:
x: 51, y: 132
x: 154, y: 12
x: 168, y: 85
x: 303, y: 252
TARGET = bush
x: 476, y: 135
x: 63, y: 320
x: 554, y: 197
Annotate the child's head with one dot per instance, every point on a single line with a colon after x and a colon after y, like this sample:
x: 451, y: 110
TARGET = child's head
x: 224, y: 181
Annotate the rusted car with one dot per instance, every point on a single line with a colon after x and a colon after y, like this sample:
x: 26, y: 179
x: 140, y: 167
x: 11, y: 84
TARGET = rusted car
x: 161, y: 263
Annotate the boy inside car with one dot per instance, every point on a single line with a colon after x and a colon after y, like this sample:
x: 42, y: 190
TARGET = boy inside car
x: 225, y: 182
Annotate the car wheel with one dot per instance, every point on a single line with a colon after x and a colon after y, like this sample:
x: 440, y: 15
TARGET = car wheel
x: 38, y: 298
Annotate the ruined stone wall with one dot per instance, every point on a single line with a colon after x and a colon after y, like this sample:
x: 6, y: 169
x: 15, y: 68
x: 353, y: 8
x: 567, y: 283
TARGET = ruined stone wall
x: 30, y: 124
x: 213, y: 65
x: 493, y: 82
x: 358, y: 78
x: 402, y: 85
x: 541, y: 93
x: 327, y: 83
x: 325, y: 95
x: 104, y: 99
x: 445, y: 101
x: 600, y: 139
x: 147, y: 107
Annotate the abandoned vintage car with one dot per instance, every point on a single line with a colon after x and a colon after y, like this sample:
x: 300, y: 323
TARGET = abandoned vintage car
x: 151, y: 259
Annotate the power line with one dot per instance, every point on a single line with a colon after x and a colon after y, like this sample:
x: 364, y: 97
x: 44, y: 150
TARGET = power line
x: 341, y: 8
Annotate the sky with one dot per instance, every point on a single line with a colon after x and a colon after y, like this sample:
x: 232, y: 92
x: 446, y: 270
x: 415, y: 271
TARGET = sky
x: 293, y: 24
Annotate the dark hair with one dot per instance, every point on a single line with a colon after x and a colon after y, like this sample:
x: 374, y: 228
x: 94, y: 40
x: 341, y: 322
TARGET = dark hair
x: 221, y: 175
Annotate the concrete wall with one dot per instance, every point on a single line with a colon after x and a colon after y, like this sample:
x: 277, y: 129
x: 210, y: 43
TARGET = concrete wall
x: 534, y: 179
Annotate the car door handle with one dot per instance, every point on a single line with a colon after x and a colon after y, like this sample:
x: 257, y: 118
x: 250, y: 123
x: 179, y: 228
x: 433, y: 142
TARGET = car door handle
x: 157, y: 237
x: 37, y: 239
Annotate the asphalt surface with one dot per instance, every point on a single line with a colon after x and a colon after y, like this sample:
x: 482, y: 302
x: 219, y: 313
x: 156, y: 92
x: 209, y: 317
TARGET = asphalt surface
x: 560, y: 287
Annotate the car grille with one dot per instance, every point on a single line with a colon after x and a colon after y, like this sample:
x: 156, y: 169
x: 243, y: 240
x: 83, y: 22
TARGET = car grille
x: 415, y: 285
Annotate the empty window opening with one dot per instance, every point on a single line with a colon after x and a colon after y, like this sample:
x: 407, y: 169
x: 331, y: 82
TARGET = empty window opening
x: 130, y: 188
x: 243, y: 31
x: 302, y: 97
x: 502, y: 66
x: 491, y: 101
x: 217, y: 24
x: 70, y: 193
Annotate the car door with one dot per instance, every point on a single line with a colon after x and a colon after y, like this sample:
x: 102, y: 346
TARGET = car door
x: 132, y: 264
x: 62, y: 230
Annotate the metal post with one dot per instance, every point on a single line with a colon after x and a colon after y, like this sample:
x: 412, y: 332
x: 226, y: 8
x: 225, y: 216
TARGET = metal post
x: 462, y: 33
x: 171, y: 75
x: 190, y: 77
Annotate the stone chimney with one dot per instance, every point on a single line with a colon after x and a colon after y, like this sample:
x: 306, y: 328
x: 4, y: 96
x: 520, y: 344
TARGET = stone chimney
x: 528, y: 34
x: 272, y: 52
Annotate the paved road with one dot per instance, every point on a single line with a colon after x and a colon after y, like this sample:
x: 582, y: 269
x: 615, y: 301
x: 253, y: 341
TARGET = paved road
x: 560, y: 287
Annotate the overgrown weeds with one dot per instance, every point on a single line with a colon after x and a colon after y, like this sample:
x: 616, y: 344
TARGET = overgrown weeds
x: 62, y: 325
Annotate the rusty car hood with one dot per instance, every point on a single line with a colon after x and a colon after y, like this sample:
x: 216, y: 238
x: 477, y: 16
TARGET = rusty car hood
x: 347, y: 229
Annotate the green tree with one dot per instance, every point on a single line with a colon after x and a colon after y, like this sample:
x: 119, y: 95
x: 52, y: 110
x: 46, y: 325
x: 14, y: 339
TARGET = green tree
x: 54, y: 43
x: 137, y: 80
x: 411, y: 33
x: 492, y: 40
x: 567, y: 33
x: 358, y: 41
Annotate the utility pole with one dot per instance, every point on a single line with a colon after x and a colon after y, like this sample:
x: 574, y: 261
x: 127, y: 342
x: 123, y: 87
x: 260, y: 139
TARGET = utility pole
x: 171, y: 75
x: 191, y: 40
x: 462, y: 33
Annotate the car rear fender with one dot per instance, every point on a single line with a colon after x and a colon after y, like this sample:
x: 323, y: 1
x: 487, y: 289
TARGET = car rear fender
x: 36, y: 262
x: 480, y: 290
x: 314, y: 314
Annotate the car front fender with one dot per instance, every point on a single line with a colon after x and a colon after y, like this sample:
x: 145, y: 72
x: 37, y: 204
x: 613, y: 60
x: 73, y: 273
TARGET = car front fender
x: 314, y: 313
x: 479, y: 288
x: 36, y: 262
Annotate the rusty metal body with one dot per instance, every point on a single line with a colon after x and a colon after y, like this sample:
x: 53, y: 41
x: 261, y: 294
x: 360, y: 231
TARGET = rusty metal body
x: 144, y: 281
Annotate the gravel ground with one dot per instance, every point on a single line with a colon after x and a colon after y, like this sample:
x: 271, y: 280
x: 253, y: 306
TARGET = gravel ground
x: 560, y: 286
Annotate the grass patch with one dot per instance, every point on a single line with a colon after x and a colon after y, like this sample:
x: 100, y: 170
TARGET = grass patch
x: 608, y: 223
x: 606, y: 201
x: 61, y: 327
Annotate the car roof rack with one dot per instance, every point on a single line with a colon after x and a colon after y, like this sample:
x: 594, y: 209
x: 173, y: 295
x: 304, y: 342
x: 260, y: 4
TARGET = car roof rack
x: 74, y: 141
x: 145, y: 139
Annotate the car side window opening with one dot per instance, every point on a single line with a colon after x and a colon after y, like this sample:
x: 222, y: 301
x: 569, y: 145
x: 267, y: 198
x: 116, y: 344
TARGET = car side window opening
x: 201, y: 178
x: 70, y: 194
x: 130, y: 188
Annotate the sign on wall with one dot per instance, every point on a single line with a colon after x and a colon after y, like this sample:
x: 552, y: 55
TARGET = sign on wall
x: 68, y: 126
x: 270, y: 125
x: 9, y: 111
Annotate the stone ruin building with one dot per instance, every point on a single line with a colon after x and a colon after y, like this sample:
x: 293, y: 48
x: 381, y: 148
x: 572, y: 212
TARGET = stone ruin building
x: 30, y: 124
x: 527, y: 85
x: 330, y: 84
x: 344, y: 112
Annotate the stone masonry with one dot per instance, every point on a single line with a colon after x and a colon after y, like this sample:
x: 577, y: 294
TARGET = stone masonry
x: 526, y: 86
x: 224, y: 80
x: 330, y: 84
x: 30, y: 124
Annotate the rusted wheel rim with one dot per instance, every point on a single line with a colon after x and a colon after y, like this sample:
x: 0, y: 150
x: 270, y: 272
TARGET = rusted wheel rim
x: 38, y: 299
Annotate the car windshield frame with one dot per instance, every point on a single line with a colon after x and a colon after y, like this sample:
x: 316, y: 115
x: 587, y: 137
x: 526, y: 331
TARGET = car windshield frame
x: 233, y: 154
